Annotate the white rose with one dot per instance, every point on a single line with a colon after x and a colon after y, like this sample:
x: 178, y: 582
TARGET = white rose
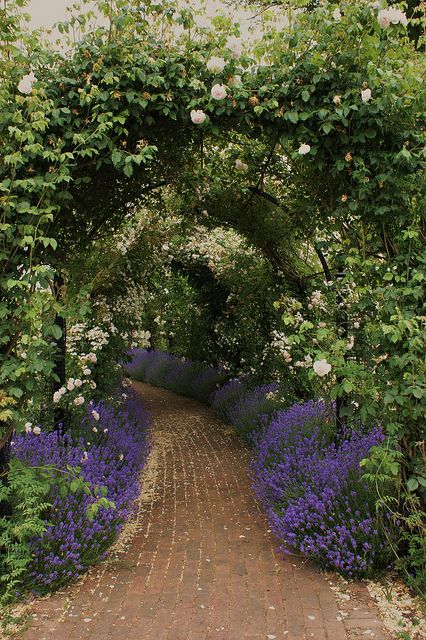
x: 337, y: 100
x: 304, y: 149
x: 337, y: 16
x: 92, y: 357
x: 216, y: 64
x: 36, y: 431
x: 26, y: 83
x: 78, y: 401
x: 87, y: 371
x: 93, y: 384
x: 235, y: 46
x: 78, y: 383
x: 28, y: 427
x: 237, y: 81
x: 383, y: 18
x: 240, y: 166
x: 366, y: 95
x: 198, y: 116
x: 218, y: 92
x: 57, y: 396
x: 62, y: 391
x: 321, y: 367
x: 397, y: 16
x: 95, y: 415
x: 70, y: 385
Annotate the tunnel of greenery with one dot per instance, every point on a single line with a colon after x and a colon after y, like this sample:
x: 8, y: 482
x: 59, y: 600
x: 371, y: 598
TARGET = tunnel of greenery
x: 255, y: 204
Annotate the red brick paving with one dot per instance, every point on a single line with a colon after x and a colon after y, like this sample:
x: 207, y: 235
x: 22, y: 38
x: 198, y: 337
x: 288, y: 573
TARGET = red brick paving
x: 200, y: 563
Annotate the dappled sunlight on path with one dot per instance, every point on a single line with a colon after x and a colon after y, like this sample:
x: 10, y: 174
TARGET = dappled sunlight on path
x: 198, y: 562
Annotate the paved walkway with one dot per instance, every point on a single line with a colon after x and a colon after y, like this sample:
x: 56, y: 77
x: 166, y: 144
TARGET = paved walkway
x: 198, y: 562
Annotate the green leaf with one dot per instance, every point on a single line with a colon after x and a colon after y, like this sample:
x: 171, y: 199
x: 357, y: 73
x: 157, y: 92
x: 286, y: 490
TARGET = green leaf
x: 412, y: 484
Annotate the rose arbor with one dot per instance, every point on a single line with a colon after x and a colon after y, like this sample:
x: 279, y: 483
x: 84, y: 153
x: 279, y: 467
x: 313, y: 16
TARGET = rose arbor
x: 85, y: 137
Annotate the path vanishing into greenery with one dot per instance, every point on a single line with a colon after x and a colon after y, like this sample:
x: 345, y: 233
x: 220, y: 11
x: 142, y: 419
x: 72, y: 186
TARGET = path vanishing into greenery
x: 198, y: 561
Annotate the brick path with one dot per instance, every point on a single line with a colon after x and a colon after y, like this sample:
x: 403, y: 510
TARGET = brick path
x: 198, y: 562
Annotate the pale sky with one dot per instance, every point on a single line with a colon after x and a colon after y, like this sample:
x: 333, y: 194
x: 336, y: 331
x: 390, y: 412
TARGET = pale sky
x: 44, y: 13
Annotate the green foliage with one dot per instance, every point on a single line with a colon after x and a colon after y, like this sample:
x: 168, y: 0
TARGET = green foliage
x: 26, y: 492
x: 107, y: 128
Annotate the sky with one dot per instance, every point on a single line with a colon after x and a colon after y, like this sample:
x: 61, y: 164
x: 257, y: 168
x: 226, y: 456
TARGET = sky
x: 44, y: 13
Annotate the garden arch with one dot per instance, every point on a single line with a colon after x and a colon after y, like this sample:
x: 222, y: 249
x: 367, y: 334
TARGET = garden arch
x: 86, y: 137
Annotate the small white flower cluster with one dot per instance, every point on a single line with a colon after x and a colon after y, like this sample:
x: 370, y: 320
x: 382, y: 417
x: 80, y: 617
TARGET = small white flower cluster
x: 218, y: 247
x: 96, y: 336
x: 317, y: 300
x: 30, y: 429
x: 281, y: 343
x: 306, y: 363
x: 127, y: 239
x: 391, y: 15
x: 140, y: 339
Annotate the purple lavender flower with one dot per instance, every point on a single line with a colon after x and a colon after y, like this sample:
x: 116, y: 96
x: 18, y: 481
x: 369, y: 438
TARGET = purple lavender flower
x: 312, y: 489
x: 119, y: 447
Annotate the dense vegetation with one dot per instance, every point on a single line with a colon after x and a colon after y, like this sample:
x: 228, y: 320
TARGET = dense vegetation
x: 258, y: 208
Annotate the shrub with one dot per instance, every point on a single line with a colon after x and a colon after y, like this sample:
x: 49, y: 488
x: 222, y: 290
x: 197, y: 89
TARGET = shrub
x: 313, y: 493
x: 254, y: 409
x: 109, y: 452
x: 181, y: 376
x: 227, y: 396
x: 206, y: 382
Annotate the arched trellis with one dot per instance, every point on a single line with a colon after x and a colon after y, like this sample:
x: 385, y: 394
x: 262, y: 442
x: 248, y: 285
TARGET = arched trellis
x: 101, y: 128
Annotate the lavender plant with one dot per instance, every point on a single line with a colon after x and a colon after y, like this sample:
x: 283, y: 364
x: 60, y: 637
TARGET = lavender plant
x: 254, y: 409
x: 109, y: 452
x: 313, y: 493
x: 227, y: 396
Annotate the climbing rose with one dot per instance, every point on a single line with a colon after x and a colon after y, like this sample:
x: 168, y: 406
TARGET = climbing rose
x: 28, y: 426
x: 218, y: 92
x: 383, y: 18
x: 321, y: 367
x: 366, y: 95
x: 62, y: 391
x: 337, y: 100
x: 386, y: 17
x: 78, y: 383
x: 95, y: 415
x: 235, y: 46
x: 57, y: 396
x: 92, y: 357
x: 36, y: 431
x: 78, y: 401
x: 216, y: 65
x: 240, y: 166
x: 26, y: 83
x: 198, y: 116
x: 304, y: 149
x: 337, y: 16
x: 87, y: 371
x: 70, y: 384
